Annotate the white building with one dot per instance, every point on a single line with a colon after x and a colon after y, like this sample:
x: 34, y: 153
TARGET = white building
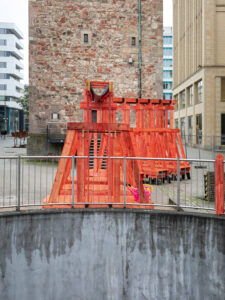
x: 11, y: 88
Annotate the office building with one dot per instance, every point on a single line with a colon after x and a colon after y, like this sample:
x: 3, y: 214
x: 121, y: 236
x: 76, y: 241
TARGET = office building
x: 167, y: 62
x: 199, y: 70
x: 11, y: 88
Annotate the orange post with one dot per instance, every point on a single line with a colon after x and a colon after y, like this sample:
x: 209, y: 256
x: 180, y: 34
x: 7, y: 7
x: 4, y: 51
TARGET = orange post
x: 219, y: 184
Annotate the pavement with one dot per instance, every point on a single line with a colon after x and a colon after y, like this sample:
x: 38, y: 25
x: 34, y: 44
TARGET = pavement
x: 7, y: 147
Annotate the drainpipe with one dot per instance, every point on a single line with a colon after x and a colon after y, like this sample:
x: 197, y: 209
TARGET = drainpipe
x: 139, y: 43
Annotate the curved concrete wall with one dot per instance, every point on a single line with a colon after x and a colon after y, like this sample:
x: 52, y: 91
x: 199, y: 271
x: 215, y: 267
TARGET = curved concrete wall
x: 111, y: 255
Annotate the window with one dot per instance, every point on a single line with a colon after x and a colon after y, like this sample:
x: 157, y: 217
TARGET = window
x: 3, y: 42
x: 3, y: 87
x: 223, y: 89
x: 190, y: 128
x: 167, y: 96
x: 55, y: 116
x: 182, y: 127
x: 176, y: 123
x: 4, y: 53
x: 94, y: 116
x: 4, y: 76
x: 133, y: 41
x: 167, y: 63
x: 199, y: 92
x: 199, y: 129
x: 191, y: 96
x: 176, y: 105
x: 167, y: 40
x: 183, y: 99
x: 167, y: 51
x: 85, y: 38
x: 5, y: 31
x: 4, y: 98
x: 167, y: 85
x: 3, y: 64
x: 167, y: 74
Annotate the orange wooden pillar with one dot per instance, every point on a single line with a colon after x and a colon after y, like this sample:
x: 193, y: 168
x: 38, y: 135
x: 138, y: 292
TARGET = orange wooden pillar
x: 219, y: 184
x: 81, y: 163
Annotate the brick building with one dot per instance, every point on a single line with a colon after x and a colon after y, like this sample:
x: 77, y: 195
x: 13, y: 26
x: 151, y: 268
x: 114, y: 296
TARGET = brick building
x: 77, y: 40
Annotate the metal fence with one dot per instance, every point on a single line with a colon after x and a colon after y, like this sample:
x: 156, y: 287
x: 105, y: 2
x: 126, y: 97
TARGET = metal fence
x: 27, y: 181
x: 203, y: 146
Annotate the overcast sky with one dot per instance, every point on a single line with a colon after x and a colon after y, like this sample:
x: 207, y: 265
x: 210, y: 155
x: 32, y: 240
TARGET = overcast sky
x: 16, y: 11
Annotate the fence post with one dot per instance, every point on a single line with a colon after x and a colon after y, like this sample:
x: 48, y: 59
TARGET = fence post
x: 124, y: 182
x: 219, y: 184
x: 178, y: 183
x: 72, y: 181
x: 19, y: 171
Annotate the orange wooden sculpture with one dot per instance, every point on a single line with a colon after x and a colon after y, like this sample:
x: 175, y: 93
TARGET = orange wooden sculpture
x: 97, y: 186
x: 101, y: 182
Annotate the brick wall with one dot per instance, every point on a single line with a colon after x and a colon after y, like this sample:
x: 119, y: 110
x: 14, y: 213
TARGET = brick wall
x: 60, y: 61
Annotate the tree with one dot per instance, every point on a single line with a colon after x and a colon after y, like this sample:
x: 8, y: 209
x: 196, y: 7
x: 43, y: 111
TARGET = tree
x: 24, y: 101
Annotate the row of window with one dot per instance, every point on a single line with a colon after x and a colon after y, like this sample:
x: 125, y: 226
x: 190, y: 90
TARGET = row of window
x: 3, y: 87
x: 167, y: 52
x: 3, y: 64
x: 167, y: 96
x: 198, y: 122
x: 187, y: 98
x: 4, y: 98
x: 167, y: 85
x: 7, y: 54
x: 4, y: 76
x: 3, y: 42
x: 167, y: 40
x: 5, y: 31
x: 167, y: 63
x: 167, y: 74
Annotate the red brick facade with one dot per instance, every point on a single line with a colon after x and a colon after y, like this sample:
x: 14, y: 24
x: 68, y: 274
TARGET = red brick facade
x: 60, y: 61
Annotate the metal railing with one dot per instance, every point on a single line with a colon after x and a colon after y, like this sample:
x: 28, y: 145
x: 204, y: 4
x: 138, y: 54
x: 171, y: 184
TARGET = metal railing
x: 203, y: 146
x: 175, y: 184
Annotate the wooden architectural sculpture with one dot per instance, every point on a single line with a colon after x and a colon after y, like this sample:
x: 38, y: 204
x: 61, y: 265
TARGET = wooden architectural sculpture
x: 103, y: 180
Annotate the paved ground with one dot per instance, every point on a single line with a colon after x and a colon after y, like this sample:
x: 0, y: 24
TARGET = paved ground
x: 37, y: 179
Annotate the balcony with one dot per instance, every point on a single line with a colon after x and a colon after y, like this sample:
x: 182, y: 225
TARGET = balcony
x: 12, y: 62
x: 11, y: 90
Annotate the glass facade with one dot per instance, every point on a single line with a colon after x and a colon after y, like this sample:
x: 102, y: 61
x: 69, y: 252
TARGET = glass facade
x: 167, y: 51
x: 3, y: 42
x: 3, y: 64
x: 167, y: 40
x: 167, y: 63
x: 3, y: 87
x: 167, y: 74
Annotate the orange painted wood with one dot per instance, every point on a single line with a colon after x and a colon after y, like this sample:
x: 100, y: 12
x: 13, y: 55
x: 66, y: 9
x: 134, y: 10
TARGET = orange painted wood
x: 219, y: 184
x: 97, y: 127
x: 69, y: 149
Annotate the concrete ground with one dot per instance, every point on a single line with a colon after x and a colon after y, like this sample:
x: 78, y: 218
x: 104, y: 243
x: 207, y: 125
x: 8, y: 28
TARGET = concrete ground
x: 37, y: 178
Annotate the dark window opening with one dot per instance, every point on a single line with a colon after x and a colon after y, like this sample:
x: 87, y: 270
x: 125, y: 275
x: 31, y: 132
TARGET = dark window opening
x: 94, y: 116
x: 133, y: 41
x: 85, y: 38
x: 222, y: 129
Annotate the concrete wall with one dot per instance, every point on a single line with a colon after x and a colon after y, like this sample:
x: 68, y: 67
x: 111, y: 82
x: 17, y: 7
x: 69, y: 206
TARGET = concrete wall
x: 111, y: 255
